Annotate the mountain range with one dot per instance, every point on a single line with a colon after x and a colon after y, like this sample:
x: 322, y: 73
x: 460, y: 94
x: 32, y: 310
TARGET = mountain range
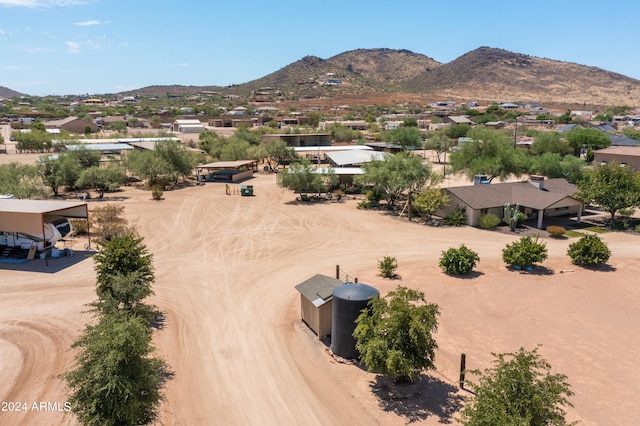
x: 485, y: 74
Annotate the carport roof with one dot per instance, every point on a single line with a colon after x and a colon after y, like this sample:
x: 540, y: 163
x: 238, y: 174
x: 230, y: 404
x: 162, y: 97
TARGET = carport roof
x: 41, y: 207
x: 28, y: 216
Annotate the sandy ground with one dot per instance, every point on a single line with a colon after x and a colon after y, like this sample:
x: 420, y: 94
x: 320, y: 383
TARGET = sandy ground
x: 226, y: 267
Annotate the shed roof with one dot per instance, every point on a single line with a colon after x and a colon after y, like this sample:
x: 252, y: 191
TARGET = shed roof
x: 318, y: 289
x: 523, y: 193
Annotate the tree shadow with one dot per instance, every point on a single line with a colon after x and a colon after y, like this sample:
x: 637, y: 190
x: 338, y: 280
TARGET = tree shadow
x: 159, y: 320
x: 418, y: 401
x: 470, y: 276
x: 600, y: 268
x: 535, y: 270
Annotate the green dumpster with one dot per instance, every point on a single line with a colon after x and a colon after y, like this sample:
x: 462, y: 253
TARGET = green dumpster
x: 246, y: 190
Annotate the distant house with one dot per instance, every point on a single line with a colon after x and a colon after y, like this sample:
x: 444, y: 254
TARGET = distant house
x: 458, y: 119
x: 188, y: 126
x: 623, y: 155
x: 71, y: 125
x: 301, y: 139
x: 537, y: 198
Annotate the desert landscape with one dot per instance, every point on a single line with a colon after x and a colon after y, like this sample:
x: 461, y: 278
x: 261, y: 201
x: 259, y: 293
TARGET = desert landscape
x: 226, y: 267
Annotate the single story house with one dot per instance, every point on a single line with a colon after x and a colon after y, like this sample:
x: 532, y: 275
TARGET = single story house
x: 537, y: 198
x: 188, y: 126
x: 627, y: 155
x: 71, y: 125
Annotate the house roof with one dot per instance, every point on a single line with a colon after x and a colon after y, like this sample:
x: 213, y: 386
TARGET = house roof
x: 523, y: 193
x: 318, y: 289
x: 633, y: 151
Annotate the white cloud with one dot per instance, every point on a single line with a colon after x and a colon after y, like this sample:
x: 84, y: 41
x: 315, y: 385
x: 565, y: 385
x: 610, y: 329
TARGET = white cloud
x: 41, y: 3
x: 90, y: 23
x: 73, y: 47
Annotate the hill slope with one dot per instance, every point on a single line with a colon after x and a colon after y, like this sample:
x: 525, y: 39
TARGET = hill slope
x: 495, y: 74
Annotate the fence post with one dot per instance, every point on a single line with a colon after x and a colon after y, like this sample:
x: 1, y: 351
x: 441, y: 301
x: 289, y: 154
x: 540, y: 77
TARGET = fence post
x: 337, y: 272
x: 463, y: 362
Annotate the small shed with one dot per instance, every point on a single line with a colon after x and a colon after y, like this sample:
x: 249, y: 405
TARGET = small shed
x: 316, y: 303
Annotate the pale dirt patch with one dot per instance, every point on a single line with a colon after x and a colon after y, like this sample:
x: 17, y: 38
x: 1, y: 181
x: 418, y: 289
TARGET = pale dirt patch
x: 226, y: 267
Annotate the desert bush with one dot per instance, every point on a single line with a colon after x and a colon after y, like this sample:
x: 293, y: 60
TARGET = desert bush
x: 589, y: 250
x: 157, y: 192
x: 489, y: 221
x: 80, y: 226
x: 556, y: 231
x: 388, y: 266
x: 637, y: 228
x: 457, y: 217
x: 458, y: 261
x: 525, y: 252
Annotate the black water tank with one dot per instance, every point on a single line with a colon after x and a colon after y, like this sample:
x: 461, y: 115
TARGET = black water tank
x: 348, y: 301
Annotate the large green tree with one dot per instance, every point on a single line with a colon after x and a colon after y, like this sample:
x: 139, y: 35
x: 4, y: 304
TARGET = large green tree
x: 116, y: 381
x: 396, y: 174
x: 550, y: 142
x: 394, y: 336
x: 123, y: 254
x: 611, y: 186
x: 405, y: 136
x: 518, y: 390
x: 490, y: 153
x: 21, y: 180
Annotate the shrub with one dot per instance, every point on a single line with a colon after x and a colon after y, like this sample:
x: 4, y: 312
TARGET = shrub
x: 556, y: 231
x: 637, y: 228
x: 80, y: 226
x: 388, y: 266
x: 489, y: 221
x: 459, y: 261
x: 589, y: 250
x: 156, y: 192
x: 457, y: 217
x: 525, y: 252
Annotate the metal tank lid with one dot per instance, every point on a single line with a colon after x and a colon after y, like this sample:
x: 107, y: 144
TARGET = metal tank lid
x: 355, y: 291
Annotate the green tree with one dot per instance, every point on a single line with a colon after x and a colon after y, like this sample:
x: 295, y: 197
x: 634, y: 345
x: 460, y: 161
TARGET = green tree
x: 125, y: 255
x: 550, y: 142
x: 180, y: 161
x: 407, y: 137
x: 589, y: 250
x: 396, y: 174
x: 525, y: 252
x: 457, y: 131
x: 458, y: 261
x: 409, y: 122
x: 395, y: 335
x: 440, y: 143
x: 303, y: 178
x: 590, y: 139
x: 116, y: 381
x: 21, y: 180
x: 611, y: 186
x: 146, y: 165
x: 518, y: 390
x: 102, y: 179
x: 490, y: 153
x: 427, y: 201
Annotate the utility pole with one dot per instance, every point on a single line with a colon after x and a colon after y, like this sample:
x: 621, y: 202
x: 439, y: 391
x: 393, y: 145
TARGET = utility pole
x: 515, y: 134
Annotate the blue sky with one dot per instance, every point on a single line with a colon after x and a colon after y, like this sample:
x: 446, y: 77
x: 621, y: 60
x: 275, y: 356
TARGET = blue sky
x: 99, y: 46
